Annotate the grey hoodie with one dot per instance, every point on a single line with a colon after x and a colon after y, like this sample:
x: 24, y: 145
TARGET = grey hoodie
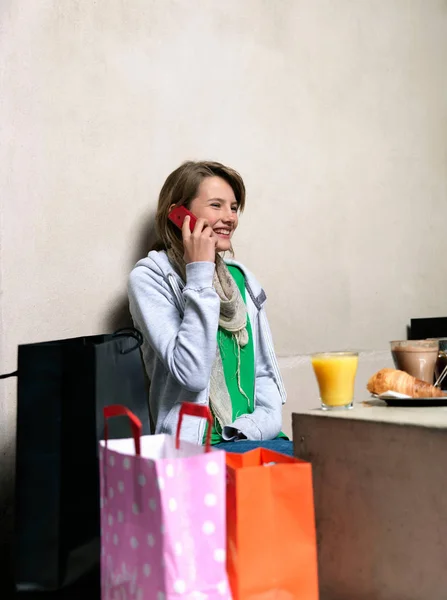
x: 179, y: 324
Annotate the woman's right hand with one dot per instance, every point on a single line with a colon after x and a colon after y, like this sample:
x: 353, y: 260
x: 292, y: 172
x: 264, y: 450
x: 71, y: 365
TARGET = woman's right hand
x: 200, y: 245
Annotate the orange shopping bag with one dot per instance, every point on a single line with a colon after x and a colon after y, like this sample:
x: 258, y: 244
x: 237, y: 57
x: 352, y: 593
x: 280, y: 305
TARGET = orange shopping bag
x: 271, y: 550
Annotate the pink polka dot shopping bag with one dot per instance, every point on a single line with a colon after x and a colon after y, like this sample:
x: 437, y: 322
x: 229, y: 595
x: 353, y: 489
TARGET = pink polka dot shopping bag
x: 163, y: 529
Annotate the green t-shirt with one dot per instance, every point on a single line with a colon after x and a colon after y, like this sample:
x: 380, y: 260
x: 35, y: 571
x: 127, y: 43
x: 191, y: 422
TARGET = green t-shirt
x: 228, y: 352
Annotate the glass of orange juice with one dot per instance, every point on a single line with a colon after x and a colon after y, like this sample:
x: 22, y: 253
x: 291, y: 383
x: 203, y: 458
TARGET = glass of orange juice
x: 335, y: 372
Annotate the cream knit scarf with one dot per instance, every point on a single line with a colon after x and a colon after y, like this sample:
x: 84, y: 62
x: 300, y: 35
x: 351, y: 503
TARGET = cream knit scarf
x: 232, y: 318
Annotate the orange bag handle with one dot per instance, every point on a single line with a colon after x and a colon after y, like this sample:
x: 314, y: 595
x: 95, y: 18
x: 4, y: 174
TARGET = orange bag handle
x: 117, y: 410
x: 195, y: 410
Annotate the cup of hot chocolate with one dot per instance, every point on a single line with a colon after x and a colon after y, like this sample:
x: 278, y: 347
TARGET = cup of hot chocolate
x: 416, y: 357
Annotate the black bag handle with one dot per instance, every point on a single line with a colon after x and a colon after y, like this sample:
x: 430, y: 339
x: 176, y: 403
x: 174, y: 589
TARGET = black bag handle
x: 123, y: 332
x: 130, y: 332
x: 6, y: 375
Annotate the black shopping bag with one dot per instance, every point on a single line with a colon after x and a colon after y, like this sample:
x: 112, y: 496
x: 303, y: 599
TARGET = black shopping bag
x: 63, y: 387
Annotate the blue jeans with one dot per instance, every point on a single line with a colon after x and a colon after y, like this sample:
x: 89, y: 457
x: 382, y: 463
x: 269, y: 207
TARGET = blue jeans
x: 278, y: 445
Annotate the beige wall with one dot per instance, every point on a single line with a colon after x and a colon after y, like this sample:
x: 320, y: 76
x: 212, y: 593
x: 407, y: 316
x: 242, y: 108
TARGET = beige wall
x: 334, y: 112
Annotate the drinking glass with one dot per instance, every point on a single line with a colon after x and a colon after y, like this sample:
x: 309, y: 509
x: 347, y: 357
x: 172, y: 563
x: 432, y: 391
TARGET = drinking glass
x: 335, y: 373
x: 416, y: 357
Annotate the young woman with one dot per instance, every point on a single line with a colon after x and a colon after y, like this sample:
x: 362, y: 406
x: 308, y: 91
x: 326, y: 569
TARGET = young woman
x: 206, y: 336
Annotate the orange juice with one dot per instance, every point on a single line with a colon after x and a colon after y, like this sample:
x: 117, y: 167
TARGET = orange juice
x: 335, y: 372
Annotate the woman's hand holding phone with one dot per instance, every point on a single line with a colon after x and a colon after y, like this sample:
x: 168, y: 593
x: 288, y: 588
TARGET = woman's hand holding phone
x: 200, y: 245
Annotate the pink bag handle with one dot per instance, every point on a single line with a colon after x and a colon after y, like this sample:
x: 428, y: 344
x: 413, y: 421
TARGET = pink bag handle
x: 117, y: 410
x: 195, y: 410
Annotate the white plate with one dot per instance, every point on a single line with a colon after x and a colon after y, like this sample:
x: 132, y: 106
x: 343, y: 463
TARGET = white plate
x: 389, y: 395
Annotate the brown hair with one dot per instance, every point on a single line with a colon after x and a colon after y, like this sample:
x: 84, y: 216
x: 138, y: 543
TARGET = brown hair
x: 180, y: 188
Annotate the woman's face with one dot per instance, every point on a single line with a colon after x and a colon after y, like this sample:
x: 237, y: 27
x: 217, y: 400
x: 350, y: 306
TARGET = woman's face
x: 217, y: 204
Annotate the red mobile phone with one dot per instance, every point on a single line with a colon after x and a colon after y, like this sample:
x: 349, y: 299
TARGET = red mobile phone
x: 178, y: 214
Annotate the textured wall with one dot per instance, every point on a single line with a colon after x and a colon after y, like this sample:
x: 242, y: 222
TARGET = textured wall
x: 334, y: 112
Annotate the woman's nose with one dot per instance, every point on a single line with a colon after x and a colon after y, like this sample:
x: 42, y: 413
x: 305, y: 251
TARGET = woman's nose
x: 229, y: 216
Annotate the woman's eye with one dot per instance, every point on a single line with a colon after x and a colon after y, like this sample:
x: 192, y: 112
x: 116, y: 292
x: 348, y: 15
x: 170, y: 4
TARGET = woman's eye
x: 216, y: 205
x: 234, y: 208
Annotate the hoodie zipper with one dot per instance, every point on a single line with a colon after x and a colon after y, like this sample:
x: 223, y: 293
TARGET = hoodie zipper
x: 271, y: 350
x: 181, y: 301
x: 282, y: 389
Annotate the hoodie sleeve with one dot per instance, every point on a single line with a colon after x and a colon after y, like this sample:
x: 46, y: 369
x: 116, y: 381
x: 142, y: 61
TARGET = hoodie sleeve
x: 265, y: 422
x: 186, y: 344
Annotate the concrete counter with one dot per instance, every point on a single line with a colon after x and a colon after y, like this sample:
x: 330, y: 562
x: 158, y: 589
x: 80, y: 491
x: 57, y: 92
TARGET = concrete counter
x: 380, y: 482
x: 378, y: 411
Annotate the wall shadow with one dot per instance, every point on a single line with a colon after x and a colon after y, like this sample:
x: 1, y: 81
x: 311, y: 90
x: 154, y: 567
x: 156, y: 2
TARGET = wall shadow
x: 119, y: 315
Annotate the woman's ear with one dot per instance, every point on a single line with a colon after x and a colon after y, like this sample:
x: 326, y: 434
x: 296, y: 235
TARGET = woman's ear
x: 171, y: 207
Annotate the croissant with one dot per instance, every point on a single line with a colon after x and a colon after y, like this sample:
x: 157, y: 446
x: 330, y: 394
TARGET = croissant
x: 399, y: 381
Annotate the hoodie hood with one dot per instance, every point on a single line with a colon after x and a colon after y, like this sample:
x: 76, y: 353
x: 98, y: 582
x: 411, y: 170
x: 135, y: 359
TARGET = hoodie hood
x: 159, y: 261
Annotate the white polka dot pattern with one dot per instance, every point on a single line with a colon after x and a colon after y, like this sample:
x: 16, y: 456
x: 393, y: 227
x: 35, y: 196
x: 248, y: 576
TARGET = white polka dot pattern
x: 178, y: 549
x: 199, y: 596
x: 179, y: 586
x: 208, y: 528
x: 156, y: 515
x: 212, y: 468
x: 222, y: 587
x: 210, y: 500
x: 134, y: 542
x: 219, y: 555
